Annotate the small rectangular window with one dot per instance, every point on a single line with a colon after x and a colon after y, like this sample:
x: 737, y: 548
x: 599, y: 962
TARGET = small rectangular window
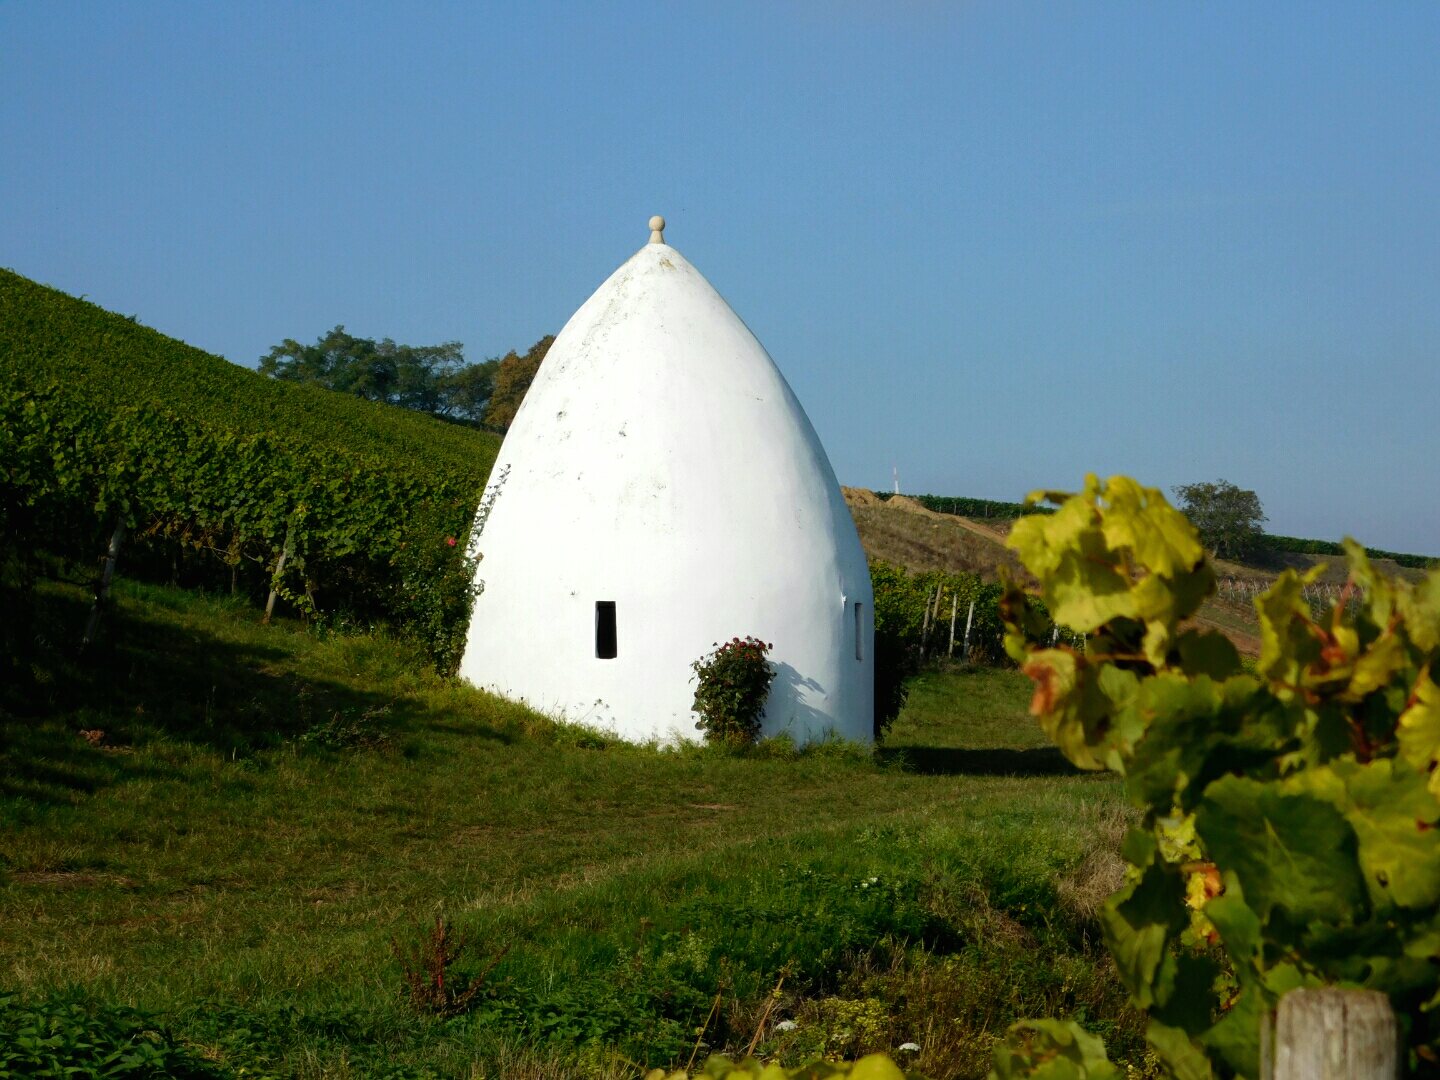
x: 605, y: 645
x: 859, y: 634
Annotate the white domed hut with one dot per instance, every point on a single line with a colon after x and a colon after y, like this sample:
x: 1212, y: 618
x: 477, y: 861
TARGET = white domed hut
x: 661, y: 490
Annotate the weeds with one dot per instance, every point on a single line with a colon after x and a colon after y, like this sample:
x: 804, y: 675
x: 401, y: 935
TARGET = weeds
x: 64, y: 1036
x: 367, y: 729
x: 1102, y: 870
x: 429, y: 965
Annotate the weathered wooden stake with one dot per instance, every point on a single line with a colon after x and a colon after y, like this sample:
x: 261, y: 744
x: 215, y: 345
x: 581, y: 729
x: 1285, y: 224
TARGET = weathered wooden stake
x: 232, y: 557
x: 102, y: 591
x: 279, y: 570
x: 969, y: 619
x: 954, y: 608
x: 925, y: 623
x: 1331, y: 1035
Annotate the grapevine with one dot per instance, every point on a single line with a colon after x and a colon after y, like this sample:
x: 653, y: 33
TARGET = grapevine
x: 1295, y: 806
x: 106, y: 425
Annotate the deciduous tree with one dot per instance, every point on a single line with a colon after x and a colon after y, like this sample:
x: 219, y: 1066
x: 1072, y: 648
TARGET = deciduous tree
x: 467, y: 392
x: 411, y: 376
x: 430, y: 378
x: 512, y: 378
x: 1229, y: 519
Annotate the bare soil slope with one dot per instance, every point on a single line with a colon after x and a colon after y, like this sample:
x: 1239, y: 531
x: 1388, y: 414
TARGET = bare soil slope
x: 902, y: 532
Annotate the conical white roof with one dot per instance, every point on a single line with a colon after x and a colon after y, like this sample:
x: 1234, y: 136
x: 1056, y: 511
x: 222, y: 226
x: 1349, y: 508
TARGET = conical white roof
x: 661, y: 463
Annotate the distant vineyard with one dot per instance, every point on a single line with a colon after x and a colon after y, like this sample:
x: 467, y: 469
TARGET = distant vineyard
x: 1319, y: 596
x: 1298, y: 546
x: 913, y: 610
x: 108, y: 429
x: 972, y: 508
x: 933, y: 615
x: 48, y: 336
x: 992, y: 508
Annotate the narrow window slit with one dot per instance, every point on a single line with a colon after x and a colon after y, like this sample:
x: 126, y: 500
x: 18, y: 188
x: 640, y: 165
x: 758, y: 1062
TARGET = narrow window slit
x: 859, y: 634
x: 605, y: 641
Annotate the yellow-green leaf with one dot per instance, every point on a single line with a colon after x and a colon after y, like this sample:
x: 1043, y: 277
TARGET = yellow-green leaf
x: 1419, y: 731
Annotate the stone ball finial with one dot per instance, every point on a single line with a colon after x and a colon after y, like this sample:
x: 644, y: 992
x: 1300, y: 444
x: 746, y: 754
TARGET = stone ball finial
x: 657, y: 229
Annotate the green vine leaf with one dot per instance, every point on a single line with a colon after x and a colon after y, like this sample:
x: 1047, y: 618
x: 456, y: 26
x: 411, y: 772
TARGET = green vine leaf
x: 1138, y: 922
x: 1291, y: 814
x: 1294, y: 852
x: 1051, y: 1050
x: 1394, y: 818
x: 1419, y: 730
x: 1182, y: 1054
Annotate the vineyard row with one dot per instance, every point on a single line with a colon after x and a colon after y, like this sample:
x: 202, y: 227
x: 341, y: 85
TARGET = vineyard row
x: 321, y: 522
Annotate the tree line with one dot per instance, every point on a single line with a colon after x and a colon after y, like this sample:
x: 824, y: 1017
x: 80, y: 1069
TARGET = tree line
x: 437, y: 380
x: 433, y: 379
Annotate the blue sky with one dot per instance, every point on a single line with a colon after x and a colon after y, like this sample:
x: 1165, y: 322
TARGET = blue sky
x: 997, y: 245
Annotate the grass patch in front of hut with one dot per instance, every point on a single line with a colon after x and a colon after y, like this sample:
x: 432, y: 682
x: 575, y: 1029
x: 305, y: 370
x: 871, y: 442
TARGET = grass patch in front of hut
x: 269, y: 810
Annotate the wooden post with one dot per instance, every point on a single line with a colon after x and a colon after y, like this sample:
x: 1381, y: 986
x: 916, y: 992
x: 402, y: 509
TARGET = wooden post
x: 279, y: 570
x: 930, y: 602
x: 1331, y: 1035
x: 969, y: 619
x: 102, y: 590
x: 954, y: 608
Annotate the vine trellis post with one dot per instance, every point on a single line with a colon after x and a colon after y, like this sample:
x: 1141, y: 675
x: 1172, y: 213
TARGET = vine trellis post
x: 1330, y: 1034
x: 102, y: 587
x: 279, y: 571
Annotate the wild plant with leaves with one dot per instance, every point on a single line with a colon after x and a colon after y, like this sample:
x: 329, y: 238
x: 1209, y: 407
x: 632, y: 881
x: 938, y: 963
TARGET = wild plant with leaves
x: 732, y: 684
x: 1289, y: 832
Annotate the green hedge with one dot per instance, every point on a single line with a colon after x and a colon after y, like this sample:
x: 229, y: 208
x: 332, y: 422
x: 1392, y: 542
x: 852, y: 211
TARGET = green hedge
x: 972, y: 508
x: 1298, y: 546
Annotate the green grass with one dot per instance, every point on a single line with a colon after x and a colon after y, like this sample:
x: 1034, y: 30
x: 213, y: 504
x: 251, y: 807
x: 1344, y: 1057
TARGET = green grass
x: 977, y: 708
x: 211, y: 865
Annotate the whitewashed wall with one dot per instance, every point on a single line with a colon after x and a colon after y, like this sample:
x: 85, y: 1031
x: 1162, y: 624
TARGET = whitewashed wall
x: 661, y: 461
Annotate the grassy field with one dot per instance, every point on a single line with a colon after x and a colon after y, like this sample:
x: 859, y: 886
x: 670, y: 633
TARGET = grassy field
x: 259, y: 816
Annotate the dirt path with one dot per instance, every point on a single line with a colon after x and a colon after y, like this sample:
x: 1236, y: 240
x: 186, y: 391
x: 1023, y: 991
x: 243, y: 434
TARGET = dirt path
x: 1246, y: 644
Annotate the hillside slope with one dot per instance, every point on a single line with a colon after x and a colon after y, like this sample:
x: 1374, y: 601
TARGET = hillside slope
x: 49, y: 336
x: 112, y: 434
x: 902, y: 531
